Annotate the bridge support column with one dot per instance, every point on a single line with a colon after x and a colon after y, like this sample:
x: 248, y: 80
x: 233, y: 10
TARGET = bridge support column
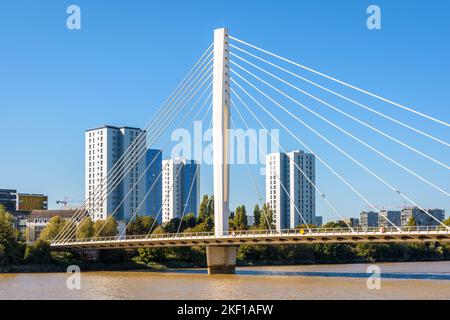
x: 221, y: 259
x: 221, y: 123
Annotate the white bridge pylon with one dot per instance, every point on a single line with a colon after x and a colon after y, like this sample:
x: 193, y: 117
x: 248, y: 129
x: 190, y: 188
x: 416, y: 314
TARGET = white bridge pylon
x: 221, y: 124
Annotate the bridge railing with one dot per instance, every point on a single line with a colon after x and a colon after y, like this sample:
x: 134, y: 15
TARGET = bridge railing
x: 261, y: 233
x: 334, y: 231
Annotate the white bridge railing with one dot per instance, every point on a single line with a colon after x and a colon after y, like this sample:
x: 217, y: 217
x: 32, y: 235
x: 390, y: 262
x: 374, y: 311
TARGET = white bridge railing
x: 261, y: 233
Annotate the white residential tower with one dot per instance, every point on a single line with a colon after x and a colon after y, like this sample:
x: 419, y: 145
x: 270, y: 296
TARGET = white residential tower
x: 104, y: 147
x: 288, y: 192
x: 180, y: 188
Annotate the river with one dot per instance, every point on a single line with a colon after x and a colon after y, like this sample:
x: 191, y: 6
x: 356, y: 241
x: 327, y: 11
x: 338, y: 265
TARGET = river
x: 422, y: 280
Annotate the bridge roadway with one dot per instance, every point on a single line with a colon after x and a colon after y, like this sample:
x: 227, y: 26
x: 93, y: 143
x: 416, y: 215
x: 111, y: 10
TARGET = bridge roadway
x: 255, y: 237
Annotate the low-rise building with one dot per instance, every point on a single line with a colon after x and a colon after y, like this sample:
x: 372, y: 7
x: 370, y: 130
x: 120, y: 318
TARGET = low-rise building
x: 421, y: 218
x: 388, y: 218
x: 8, y: 199
x: 318, y: 221
x: 20, y: 222
x: 250, y: 220
x: 369, y: 219
x: 30, y: 202
x: 352, y: 222
x: 39, y: 219
x: 439, y: 214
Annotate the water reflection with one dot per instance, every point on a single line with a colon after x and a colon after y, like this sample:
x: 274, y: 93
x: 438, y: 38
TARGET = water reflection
x: 400, y: 281
x: 411, y: 276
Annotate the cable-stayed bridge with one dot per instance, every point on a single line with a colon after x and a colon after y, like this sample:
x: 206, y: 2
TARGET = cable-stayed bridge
x: 235, y: 77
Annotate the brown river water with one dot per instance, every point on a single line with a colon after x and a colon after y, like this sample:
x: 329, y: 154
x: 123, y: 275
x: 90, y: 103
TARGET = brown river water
x: 423, y: 280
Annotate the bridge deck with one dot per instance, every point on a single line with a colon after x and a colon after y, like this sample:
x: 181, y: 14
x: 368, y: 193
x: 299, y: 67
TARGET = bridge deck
x: 290, y: 236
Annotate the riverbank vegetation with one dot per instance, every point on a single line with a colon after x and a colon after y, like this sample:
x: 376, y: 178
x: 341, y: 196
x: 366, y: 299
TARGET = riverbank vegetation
x: 17, y: 256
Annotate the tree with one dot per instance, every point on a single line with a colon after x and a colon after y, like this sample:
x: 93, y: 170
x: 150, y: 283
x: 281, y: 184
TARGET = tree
x: 177, y: 225
x: 203, y: 211
x: 298, y: 253
x: 367, y: 251
x: 256, y: 215
x: 105, y: 228
x: 335, y: 225
x: 447, y: 222
x: 28, y: 234
x: 306, y: 226
x: 158, y: 230
x: 149, y: 255
x: 260, y: 253
x: 266, y: 221
x: 141, y: 225
x: 53, y: 228
x: 38, y: 253
x: 334, y: 252
x: 86, y: 229
x: 189, y: 221
x: 248, y: 253
x: 171, y: 226
x: 240, y: 218
x: 411, y: 222
x: 201, y: 227
x: 231, y: 224
x: 6, y: 217
x: 9, y: 247
x: 211, y: 207
x: 206, y: 212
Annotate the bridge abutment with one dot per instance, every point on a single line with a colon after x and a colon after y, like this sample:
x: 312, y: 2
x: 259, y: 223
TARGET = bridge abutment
x: 221, y: 259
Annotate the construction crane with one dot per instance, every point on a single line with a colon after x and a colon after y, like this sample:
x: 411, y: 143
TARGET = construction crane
x: 390, y: 206
x: 65, y: 203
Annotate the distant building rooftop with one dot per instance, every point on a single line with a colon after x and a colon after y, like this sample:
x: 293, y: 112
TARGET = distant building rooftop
x: 112, y: 127
x: 17, y: 214
x: 42, y: 214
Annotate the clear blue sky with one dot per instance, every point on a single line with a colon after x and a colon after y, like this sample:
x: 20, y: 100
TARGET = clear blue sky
x: 129, y: 55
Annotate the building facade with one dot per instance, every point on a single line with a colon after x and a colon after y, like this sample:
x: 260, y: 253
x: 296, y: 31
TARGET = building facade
x: 288, y: 192
x: 39, y: 219
x: 368, y: 219
x: 352, y: 222
x: 319, y: 221
x: 439, y: 214
x: 30, y: 202
x: 104, y: 148
x: 20, y: 222
x: 154, y: 182
x: 420, y: 217
x: 179, y: 175
x: 250, y: 220
x: 8, y: 199
x: 393, y: 216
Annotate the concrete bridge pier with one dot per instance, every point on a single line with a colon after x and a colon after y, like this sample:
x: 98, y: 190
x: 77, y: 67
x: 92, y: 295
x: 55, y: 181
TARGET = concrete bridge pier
x: 221, y: 259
